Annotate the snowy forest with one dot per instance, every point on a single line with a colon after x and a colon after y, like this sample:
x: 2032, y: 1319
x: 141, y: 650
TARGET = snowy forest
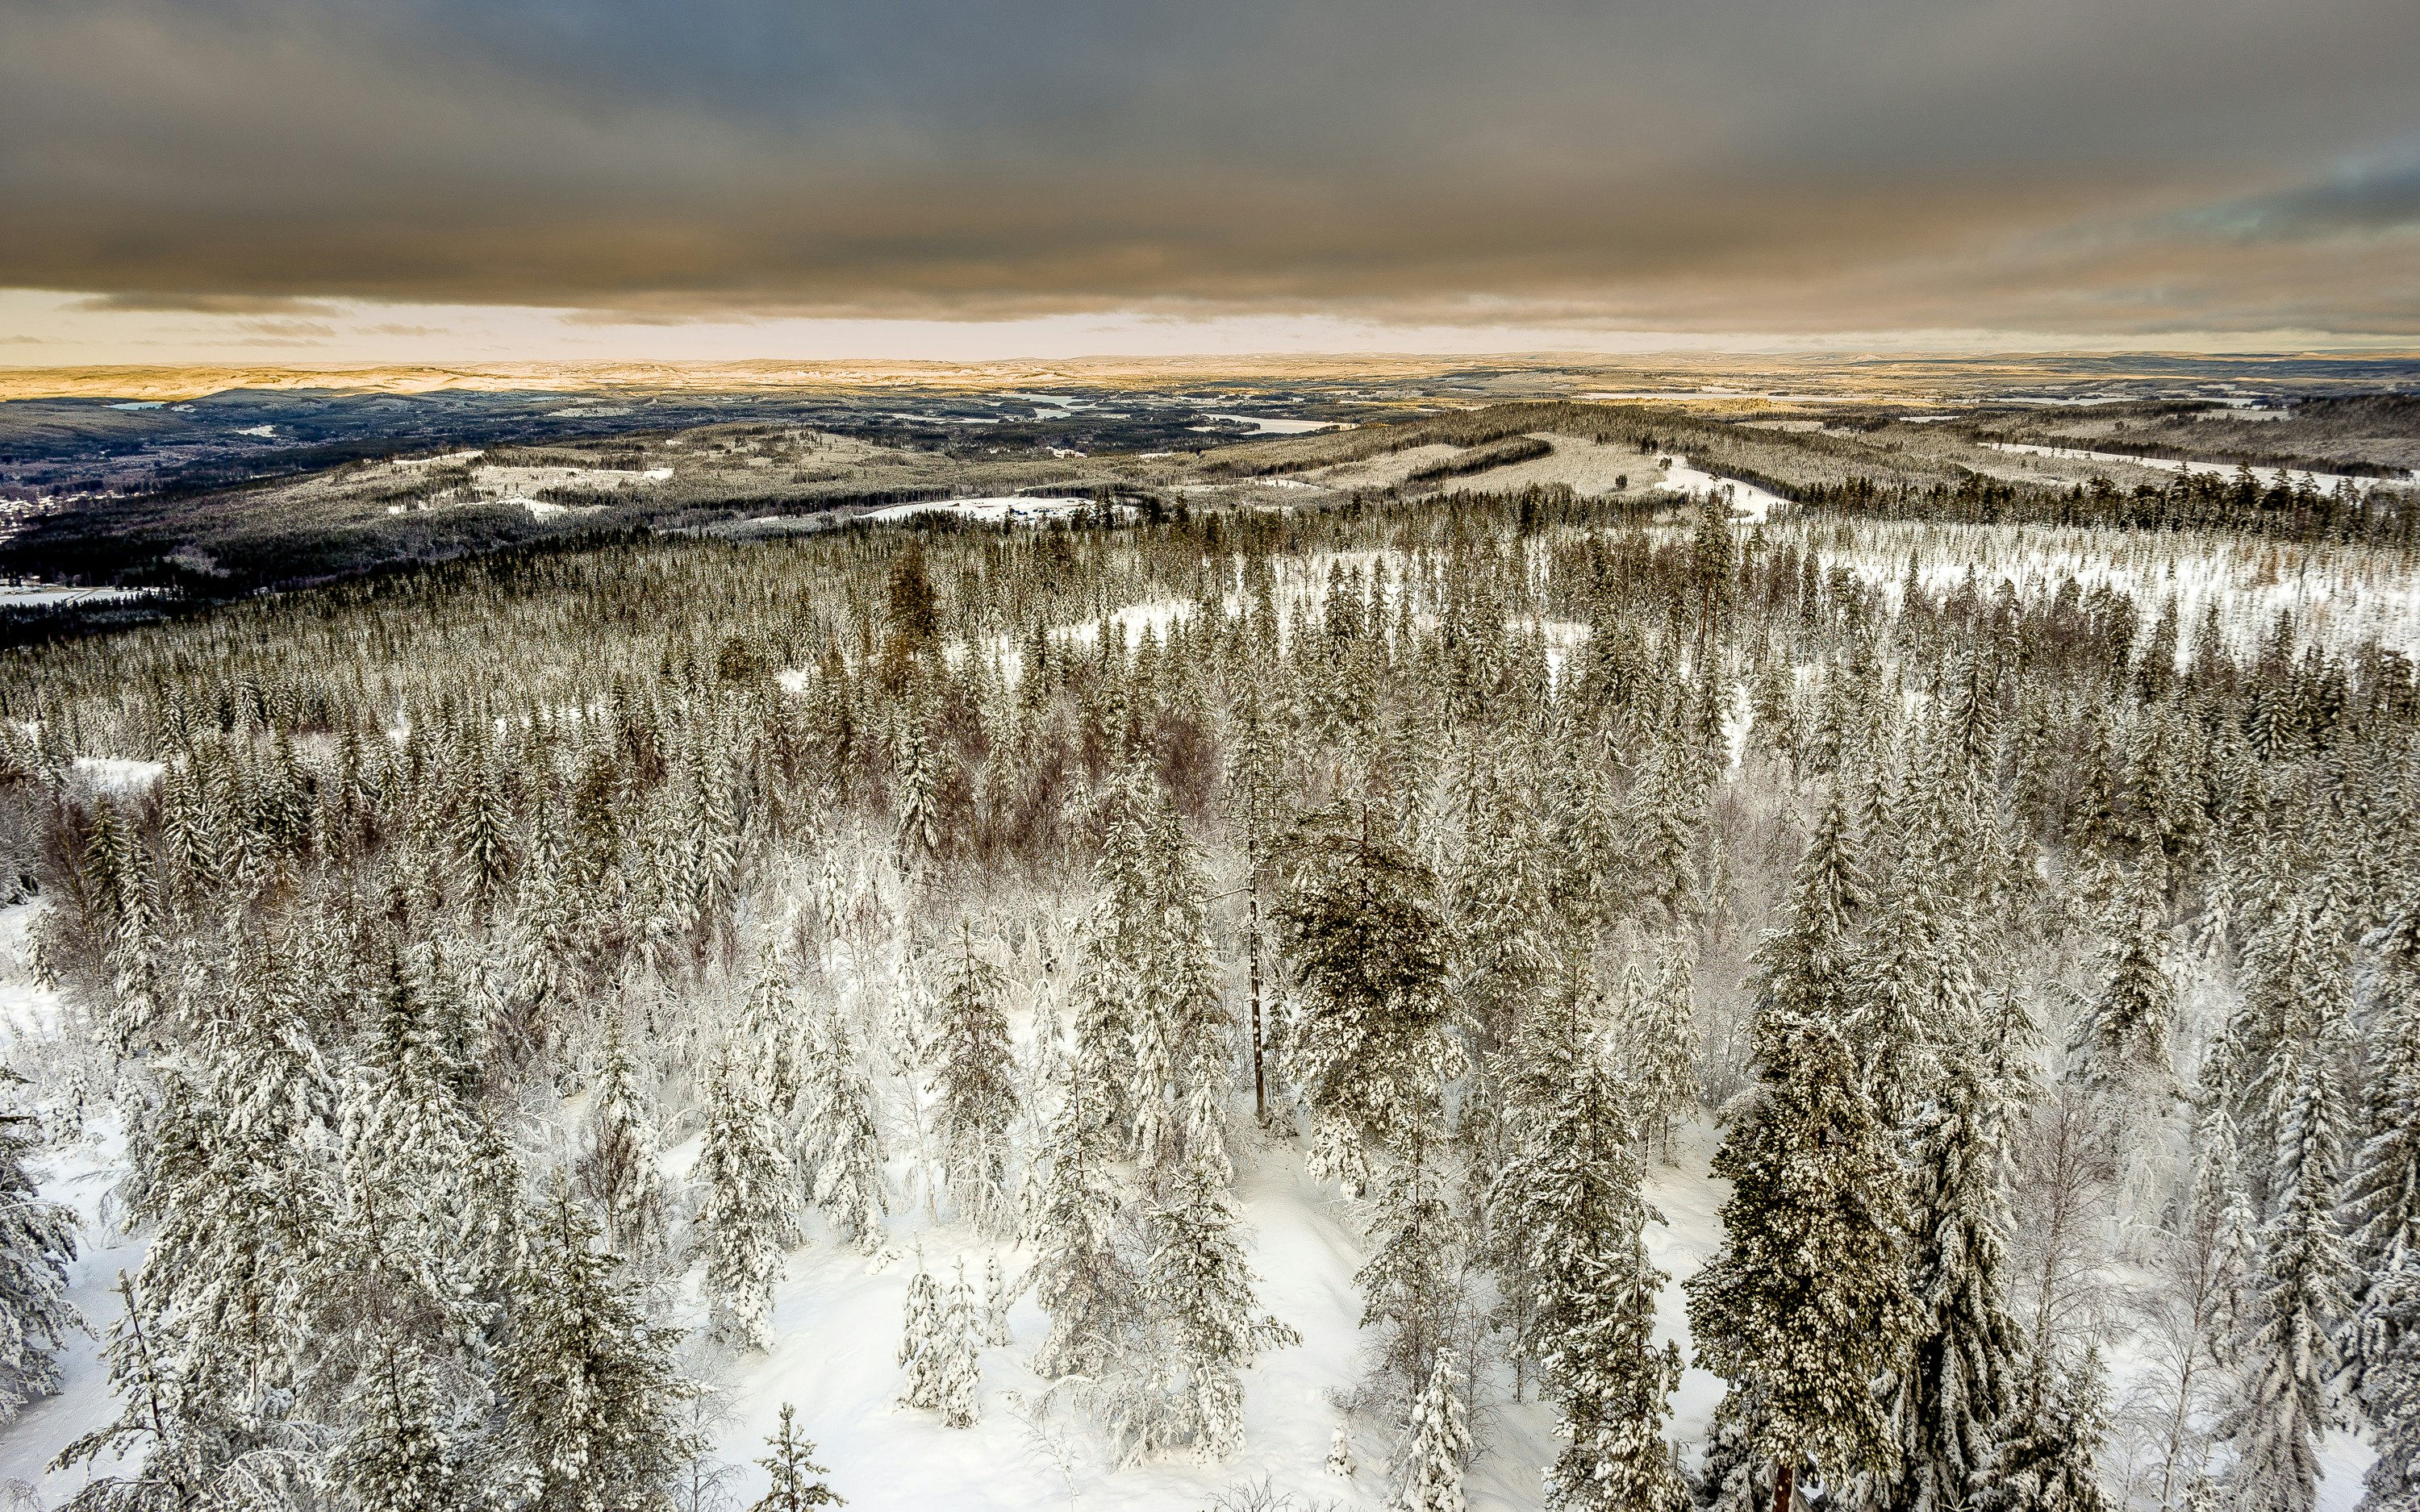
x: 1508, y: 1001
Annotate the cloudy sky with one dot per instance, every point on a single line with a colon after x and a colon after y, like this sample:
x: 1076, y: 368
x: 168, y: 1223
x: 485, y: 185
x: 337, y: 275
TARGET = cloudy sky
x: 471, y: 180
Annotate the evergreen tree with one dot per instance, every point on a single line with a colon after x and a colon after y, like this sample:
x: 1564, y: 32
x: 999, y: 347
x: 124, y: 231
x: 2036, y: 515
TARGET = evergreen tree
x: 1440, y: 1438
x: 1960, y: 1379
x: 38, y: 1240
x: 1807, y: 1302
x: 400, y: 1455
x: 2046, y: 1457
x: 2391, y: 1388
x: 745, y: 1222
x: 2382, y: 1198
x: 171, y: 1445
x: 1660, y: 1028
x: 2290, y: 1353
x: 1199, y: 1285
x: 1083, y: 1280
x: 586, y: 1387
x: 1571, y: 1195
x: 798, y: 1480
x: 959, y: 1370
x: 997, y: 1296
x: 973, y: 1079
x: 2121, y: 1043
x: 844, y: 1149
x: 1369, y: 1042
x: 616, y: 1170
x: 1410, y: 1284
x: 921, y: 1342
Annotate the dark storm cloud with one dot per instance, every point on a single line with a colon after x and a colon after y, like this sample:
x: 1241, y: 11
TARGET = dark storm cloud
x: 1724, y: 161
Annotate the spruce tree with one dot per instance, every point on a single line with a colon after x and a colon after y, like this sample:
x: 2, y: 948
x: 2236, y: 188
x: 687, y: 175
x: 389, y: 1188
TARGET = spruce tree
x: 2290, y: 1353
x: 1082, y: 1279
x: 2121, y: 1045
x: 617, y: 1169
x: 398, y: 1455
x: 1440, y: 1437
x: 960, y: 1369
x: 997, y: 1296
x: 1660, y: 1031
x: 37, y: 1241
x: 1199, y: 1289
x: 973, y: 1077
x: 1807, y: 1302
x: 1570, y: 1194
x: 1411, y: 1283
x: 845, y: 1143
x: 745, y: 1222
x: 1369, y: 1043
x: 2383, y: 1197
x: 921, y: 1344
x: 2046, y: 1460
x: 586, y: 1386
x: 1960, y: 1379
x: 798, y: 1480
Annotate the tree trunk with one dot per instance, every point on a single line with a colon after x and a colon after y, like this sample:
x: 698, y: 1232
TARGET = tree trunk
x: 1782, y: 1476
x: 1260, y: 1087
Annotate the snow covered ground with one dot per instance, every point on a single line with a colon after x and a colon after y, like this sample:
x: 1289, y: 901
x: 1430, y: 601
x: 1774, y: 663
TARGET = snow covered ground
x: 1750, y: 504
x: 1273, y: 426
x: 2339, y: 595
x: 57, y: 596
x: 836, y: 1324
x: 2269, y: 477
x: 993, y: 511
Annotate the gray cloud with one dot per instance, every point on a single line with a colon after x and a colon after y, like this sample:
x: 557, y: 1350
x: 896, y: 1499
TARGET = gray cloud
x: 1722, y: 164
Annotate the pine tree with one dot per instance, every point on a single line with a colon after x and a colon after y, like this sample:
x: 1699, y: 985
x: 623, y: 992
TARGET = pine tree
x: 798, y: 1480
x: 1439, y: 1439
x: 1339, y: 1453
x: 974, y: 1080
x: 745, y: 1223
x: 1807, y: 1302
x: 37, y: 1241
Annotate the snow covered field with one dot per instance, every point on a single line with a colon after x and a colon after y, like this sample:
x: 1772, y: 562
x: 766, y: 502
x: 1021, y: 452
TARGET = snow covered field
x: 2267, y: 477
x: 1750, y: 504
x: 998, y: 511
